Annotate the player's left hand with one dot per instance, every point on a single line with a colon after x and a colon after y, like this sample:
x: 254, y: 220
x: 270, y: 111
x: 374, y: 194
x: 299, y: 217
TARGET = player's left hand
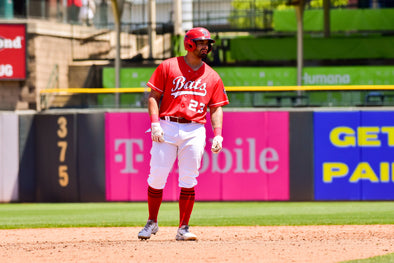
x: 217, y: 144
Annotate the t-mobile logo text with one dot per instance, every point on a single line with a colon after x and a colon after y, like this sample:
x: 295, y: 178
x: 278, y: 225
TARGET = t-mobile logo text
x: 125, y: 151
x: 247, y: 159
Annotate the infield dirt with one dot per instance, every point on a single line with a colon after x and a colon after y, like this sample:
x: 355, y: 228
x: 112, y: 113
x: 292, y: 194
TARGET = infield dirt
x: 215, y: 244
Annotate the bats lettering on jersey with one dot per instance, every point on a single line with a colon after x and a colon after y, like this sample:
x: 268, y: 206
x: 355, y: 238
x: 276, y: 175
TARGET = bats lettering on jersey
x: 183, y: 87
x: 187, y: 93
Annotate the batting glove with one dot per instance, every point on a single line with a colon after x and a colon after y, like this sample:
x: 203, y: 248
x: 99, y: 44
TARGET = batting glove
x: 217, y: 144
x: 157, y: 132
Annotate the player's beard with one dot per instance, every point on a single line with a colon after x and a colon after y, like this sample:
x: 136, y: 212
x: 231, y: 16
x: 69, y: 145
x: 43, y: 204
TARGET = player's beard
x: 203, y: 55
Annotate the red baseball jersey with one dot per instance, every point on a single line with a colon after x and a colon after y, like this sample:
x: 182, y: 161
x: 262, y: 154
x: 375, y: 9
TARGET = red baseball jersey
x: 187, y: 93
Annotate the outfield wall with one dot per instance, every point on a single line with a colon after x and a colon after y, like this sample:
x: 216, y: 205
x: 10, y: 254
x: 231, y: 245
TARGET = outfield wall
x: 8, y: 157
x: 268, y: 155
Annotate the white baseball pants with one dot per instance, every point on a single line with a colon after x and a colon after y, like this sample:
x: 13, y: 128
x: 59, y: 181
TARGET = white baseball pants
x: 183, y: 141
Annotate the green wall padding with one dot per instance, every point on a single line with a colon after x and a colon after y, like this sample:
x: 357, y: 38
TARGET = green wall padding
x: 276, y: 49
x: 268, y: 76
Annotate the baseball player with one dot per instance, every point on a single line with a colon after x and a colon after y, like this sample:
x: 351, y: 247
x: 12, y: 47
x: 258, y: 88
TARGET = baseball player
x: 182, y: 90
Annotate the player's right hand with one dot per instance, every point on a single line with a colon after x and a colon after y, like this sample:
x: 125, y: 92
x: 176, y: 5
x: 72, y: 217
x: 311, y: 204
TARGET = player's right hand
x: 157, y: 132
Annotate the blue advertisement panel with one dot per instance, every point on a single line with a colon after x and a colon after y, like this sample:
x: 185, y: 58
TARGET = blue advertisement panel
x: 376, y: 172
x: 354, y: 155
x: 332, y: 158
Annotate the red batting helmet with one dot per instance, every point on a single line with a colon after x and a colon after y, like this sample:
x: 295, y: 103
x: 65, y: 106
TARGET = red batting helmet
x: 194, y: 34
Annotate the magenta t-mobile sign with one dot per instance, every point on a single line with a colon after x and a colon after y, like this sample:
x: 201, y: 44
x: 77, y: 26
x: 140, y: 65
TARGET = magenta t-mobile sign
x: 253, y: 165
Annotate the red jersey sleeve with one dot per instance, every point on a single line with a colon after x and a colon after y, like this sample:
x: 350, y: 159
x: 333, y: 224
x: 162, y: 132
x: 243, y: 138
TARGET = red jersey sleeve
x: 219, y: 96
x: 157, y: 80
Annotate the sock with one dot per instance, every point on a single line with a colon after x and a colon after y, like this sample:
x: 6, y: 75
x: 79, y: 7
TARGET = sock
x: 186, y: 203
x: 155, y: 196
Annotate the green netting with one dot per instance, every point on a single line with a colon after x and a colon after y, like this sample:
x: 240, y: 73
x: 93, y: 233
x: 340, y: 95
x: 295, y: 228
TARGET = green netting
x: 340, y: 20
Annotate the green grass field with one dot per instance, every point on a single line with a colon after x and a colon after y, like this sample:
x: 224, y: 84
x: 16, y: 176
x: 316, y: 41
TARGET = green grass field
x: 51, y: 215
x: 204, y: 214
x: 379, y: 259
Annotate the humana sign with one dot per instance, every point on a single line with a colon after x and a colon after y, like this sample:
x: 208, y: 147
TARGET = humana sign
x: 330, y: 79
x: 15, y: 43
